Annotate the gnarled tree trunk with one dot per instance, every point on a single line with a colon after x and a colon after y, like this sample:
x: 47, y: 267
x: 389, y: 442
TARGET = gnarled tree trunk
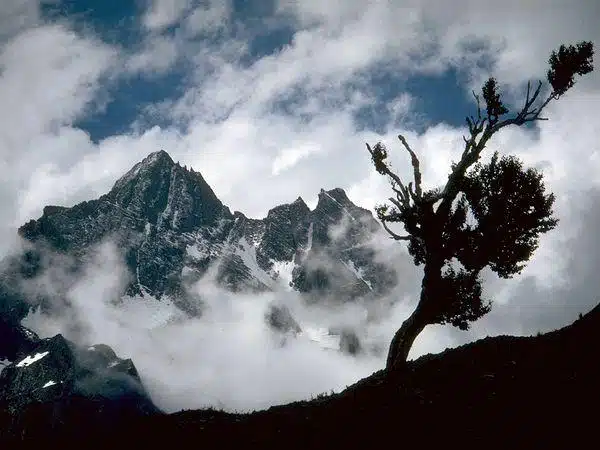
x: 418, y: 320
x: 404, y: 339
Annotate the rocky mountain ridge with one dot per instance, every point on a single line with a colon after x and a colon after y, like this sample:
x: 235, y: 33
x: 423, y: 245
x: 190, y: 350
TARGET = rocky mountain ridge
x: 173, y: 230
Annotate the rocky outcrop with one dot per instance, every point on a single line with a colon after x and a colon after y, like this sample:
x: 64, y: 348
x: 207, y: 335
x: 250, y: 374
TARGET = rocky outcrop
x: 55, y: 369
x: 349, y: 342
x: 56, y: 376
x: 279, y: 318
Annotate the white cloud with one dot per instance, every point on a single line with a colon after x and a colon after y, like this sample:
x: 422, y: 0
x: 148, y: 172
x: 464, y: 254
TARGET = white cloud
x: 288, y: 157
x: 157, y: 56
x: 18, y: 15
x: 207, y: 18
x: 164, y: 13
x: 49, y: 76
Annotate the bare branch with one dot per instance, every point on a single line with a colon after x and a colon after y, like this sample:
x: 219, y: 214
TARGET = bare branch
x: 474, y: 148
x: 399, y: 192
x: 525, y: 115
x: 397, y: 203
x: 527, y: 97
x: 478, y: 106
x: 413, y: 196
x: 470, y: 124
x: 394, y: 235
x: 535, y: 94
x: 416, y: 169
x: 397, y: 237
x: 469, y: 143
x: 392, y: 175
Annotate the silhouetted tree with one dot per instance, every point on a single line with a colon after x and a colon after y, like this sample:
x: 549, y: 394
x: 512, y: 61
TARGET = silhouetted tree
x: 485, y: 215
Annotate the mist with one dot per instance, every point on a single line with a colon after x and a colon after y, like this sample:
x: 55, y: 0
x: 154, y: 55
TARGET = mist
x: 229, y: 358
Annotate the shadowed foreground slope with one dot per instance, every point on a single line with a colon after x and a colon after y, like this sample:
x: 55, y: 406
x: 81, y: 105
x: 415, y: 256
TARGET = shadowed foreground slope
x: 497, y: 392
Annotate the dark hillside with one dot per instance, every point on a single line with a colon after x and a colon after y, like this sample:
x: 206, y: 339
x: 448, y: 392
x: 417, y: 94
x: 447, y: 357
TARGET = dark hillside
x: 502, y: 392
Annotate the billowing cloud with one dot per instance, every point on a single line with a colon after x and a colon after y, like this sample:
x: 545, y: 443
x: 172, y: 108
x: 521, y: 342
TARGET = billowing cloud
x: 164, y: 13
x: 228, y: 358
x: 207, y: 18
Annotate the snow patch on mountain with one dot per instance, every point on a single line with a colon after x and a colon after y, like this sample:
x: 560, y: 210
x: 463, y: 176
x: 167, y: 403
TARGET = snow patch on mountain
x: 29, y: 360
x: 310, y: 237
x: 322, y: 337
x: 199, y: 250
x: 164, y: 216
x: 358, y: 272
x: 282, y: 270
x: 342, y: 207
x: 147, y: 310
x: 247, y: 252
x: 200, y: 246
x: 131, y: 174
x: 187, y: 270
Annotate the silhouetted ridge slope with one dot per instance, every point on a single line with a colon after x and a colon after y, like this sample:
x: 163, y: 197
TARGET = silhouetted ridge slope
x: 501, y: 392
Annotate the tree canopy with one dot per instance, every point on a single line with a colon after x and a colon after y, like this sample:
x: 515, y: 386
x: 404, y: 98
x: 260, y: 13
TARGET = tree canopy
x: 487, y: 215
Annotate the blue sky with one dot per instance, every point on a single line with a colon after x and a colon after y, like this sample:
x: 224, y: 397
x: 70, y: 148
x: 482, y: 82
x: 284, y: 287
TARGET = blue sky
x: 439, y: 97
x: 275, y: 99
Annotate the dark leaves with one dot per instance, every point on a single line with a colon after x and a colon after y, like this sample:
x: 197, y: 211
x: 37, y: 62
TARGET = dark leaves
x: 511, y: 209
x: 495, y: 108
x: 378, y: 156
x: 460, y: 298
x: 567, y: 62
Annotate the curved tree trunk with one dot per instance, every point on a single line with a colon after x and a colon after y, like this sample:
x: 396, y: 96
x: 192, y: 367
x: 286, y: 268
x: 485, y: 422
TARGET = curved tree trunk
x: 418, y: 320
x: 404, y: 339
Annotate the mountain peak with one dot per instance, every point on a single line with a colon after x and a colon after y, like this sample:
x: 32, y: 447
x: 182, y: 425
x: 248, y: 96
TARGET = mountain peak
x: 299, y: 200
x: 337, y: 193
x: 156, y: 161
x: 171, y: 227
x: 336, y: 196
x: 296, y: 208
x: 165, y: 194
x: 158, y: 156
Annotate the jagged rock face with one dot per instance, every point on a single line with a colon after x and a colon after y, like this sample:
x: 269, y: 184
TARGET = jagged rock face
x: 340, y: 259
x: 279, y: 318
x: 167, y: 196
x: 286, y: 229
x: 55, y: 369
x: 172, y: 230
x: 15, y: 339
x: 349, y: 342
x: 149, y: 212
